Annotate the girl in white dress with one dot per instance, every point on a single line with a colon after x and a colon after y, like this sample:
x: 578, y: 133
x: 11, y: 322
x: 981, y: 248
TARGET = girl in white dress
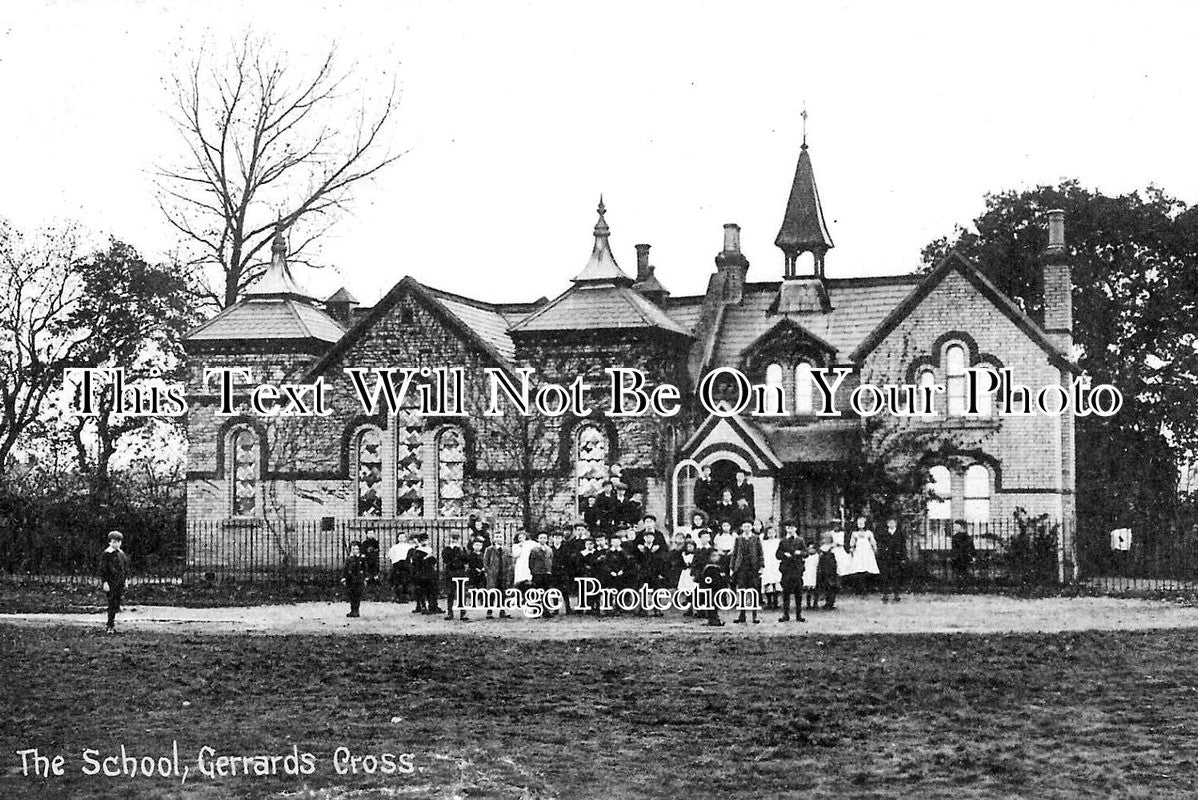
x: 863, y: 556
x: 843, y: 565
x: 771, y: 570
x: 521, y: 547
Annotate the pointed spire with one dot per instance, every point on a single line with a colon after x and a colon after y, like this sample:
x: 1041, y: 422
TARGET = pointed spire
x: 803, y: 227
x: 602, y: 266
x: 277, y: 281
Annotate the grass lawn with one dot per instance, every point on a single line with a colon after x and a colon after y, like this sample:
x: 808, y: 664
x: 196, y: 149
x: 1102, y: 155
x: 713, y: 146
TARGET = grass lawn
x: 1075, y: 715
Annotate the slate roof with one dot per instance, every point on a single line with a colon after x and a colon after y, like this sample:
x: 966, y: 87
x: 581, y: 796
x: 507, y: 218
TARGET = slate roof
x: 859, y: 305
x: 599, y: 306
x: 259, y: 318
x: 490, y: 321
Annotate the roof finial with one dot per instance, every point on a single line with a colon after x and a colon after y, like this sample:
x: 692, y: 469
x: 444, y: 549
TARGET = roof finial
x: 804, y: 116
x: 278, y: 247
x: 601, y: 228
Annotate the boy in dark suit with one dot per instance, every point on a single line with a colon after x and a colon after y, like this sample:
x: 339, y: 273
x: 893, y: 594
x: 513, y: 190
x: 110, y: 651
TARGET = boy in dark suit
x: 354, y: 578
x: 454, y: 564
x: 114, y: 570
x: 790, y: 564
x: 892, y: 552
x: 827, y: 576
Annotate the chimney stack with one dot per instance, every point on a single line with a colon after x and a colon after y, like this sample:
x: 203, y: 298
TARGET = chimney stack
x: 1058, y: 284
x: 643, y: 270
x: 1056, y: 230
x: 731, y: 238
x: 732, y: 265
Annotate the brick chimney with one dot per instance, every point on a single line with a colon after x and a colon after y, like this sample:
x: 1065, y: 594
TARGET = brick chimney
x: 732, y: 265
x: 642, y: 262
x: 1058, y: 284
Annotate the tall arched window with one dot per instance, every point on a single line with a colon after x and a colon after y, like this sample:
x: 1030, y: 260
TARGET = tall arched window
x: 940, y: 493
x: 409, y: 464
x: 985, y: 399
x: 977, y: 494
x: 245, y: 471
x: 369, y: 454
x: 590, y: 463
x: 927, y: 388
x: 685, y: 475
x: 954, y: 376
x: 804, y: 388
x: 773, y: 389
x: 451, y: 461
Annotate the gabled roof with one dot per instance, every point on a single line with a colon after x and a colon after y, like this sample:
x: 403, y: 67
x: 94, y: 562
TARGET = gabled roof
x: 950, y: 263
x: 268, y: 318
x: 598, y: 306
x: 786, y: 324
x: 482, y: 324
x: 745, y: 430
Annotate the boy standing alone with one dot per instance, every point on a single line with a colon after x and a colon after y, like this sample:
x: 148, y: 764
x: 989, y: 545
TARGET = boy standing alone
x: 114, y: 568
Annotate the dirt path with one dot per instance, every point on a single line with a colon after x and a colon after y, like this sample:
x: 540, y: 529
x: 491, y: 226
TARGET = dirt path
x: 916, y: 614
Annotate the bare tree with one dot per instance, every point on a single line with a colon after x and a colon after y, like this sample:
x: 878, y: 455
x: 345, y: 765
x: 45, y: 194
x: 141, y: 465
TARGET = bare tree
x: 40, y: 293
x: 264, y: 148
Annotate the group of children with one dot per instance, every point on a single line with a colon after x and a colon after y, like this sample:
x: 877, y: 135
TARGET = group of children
x: 780, y: 569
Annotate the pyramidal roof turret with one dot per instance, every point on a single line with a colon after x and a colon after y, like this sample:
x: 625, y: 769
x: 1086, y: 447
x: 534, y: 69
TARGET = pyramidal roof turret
x: 602, y: 266
x: 277, y: 281
x: 803, y: 228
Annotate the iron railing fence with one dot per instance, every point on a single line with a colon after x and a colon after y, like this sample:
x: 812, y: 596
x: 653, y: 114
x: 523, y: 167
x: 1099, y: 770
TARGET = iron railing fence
x: 1003, y: 553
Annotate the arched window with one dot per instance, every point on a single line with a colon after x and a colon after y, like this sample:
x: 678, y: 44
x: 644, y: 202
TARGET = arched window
x: 369, y: 454
x: 685, y: 475
x: 977, y: 494
x: 954, y: 376
x: 409, y: 464
x: 773, y: 389
x: 985, y: 399
x: 245, y: 471
x: 927, y: 387
x: 940, y: 493
x: 451, y: 461
x: 804, y: 385
x: 590, y: 463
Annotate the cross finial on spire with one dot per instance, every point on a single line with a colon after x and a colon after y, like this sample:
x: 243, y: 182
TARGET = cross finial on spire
x: 804, y: 116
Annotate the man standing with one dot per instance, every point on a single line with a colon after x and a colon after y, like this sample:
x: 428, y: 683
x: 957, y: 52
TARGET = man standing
x: 705, y: 494
x: 454, y: 564
x: 790, y: 564
x: 743, y: 490
x: 354, y: 578
x: 398, y: 556
x: 114, y: 569
x: 746, y: 564
x: 892, y: 552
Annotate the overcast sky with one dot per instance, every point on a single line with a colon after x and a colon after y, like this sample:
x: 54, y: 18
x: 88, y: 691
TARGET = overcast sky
x: 685, y: 116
